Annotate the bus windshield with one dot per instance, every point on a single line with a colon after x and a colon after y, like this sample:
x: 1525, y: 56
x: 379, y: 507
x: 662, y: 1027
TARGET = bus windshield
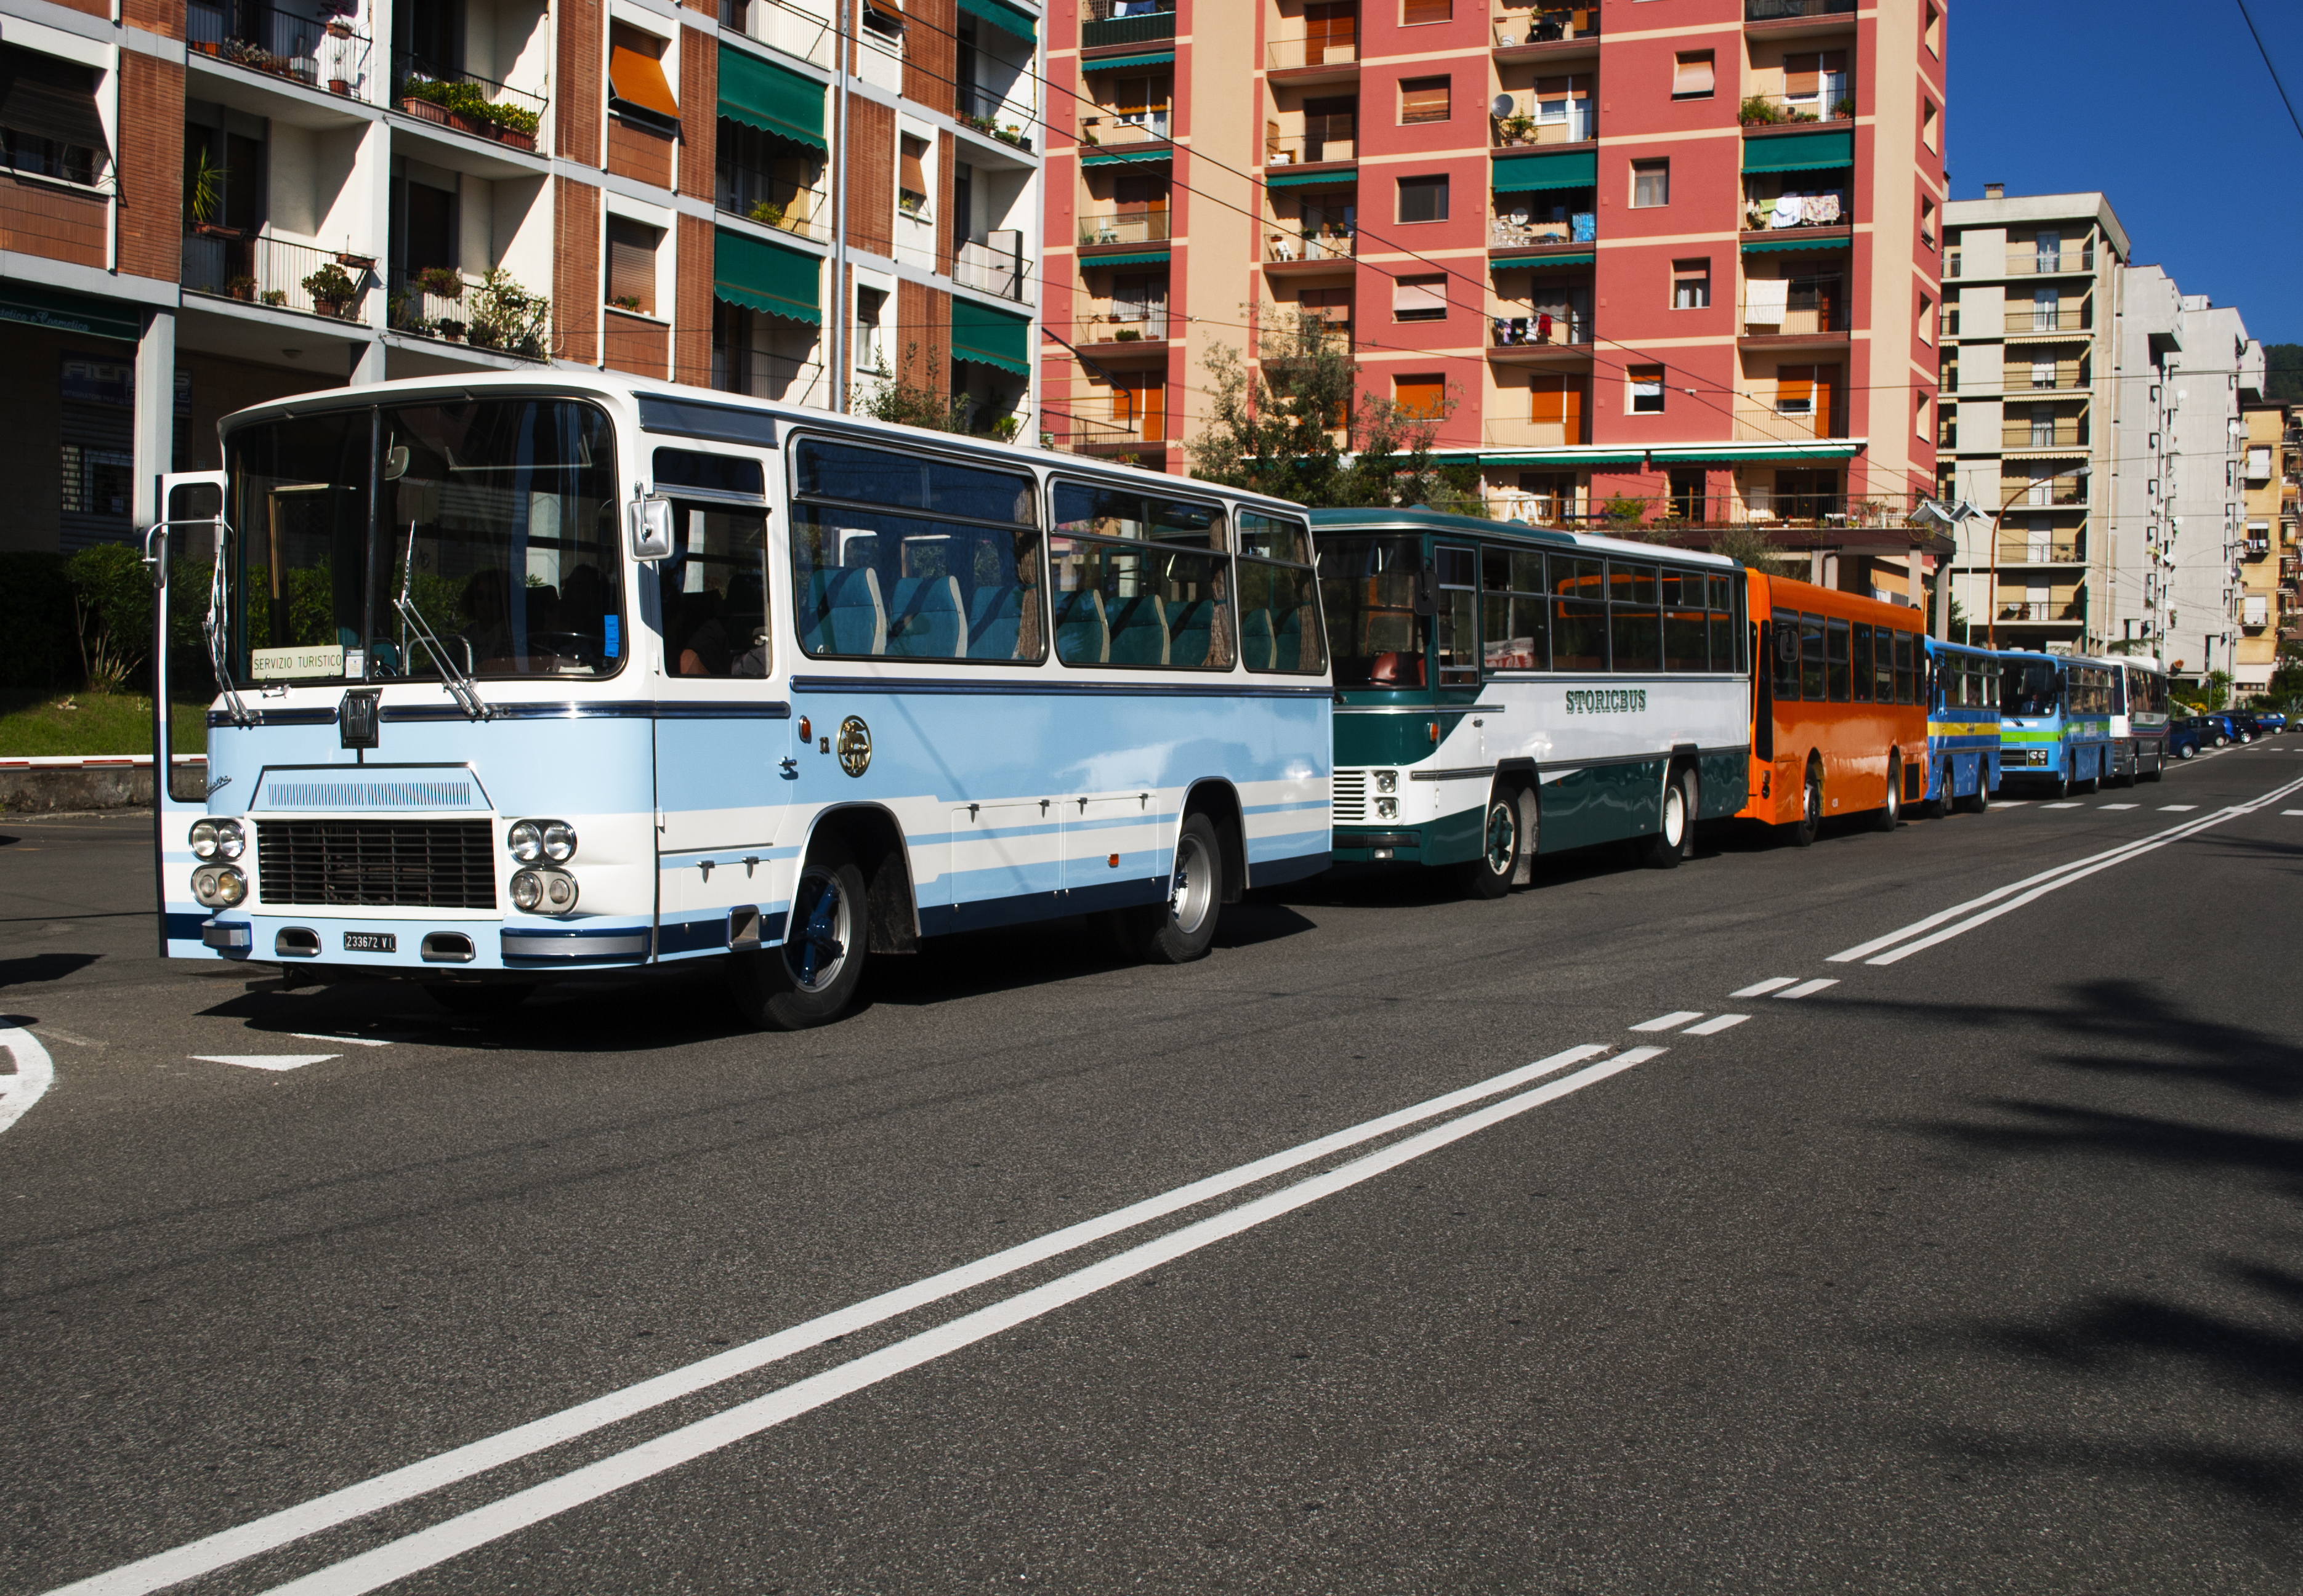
x: 506, y: 509
x: 2030, y: 689
x: 1367, y: 587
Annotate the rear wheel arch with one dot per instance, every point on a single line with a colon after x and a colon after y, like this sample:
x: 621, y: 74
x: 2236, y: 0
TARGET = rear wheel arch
x: 876, y: 842
x: 1219, y: 801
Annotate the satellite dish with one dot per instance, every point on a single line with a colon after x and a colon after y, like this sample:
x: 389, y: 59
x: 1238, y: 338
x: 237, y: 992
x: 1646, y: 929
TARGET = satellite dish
x: 1501, y: 106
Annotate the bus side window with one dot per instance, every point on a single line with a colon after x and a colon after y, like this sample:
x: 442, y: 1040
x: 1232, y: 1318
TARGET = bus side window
x: 1783, y: 646
x: 1897, y: 674
x: 1834, y: 656
x: 714, y: 593
x: 1860, y: 674
x: 1512, y: 610
x: 1456, y: 629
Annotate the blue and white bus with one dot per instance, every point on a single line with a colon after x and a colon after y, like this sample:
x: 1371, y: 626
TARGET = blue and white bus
x: 2054, y: 720
x: 1963, y: 726
x: 525, y: 675
x: 2138, y: 718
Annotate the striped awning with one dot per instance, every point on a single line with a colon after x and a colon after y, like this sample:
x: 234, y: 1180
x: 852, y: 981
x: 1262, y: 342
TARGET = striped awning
x: 1009, y: 19
x: 1138, y: 257
x: 766, y: 277
x: 1788, y: 245
x: 1565, y: 169
x: 1119, y: 63
x: 1332, y: 178
x: 1799, y: 152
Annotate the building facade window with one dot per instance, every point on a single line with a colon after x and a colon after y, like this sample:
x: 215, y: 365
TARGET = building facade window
x: 1691, y: 75
x: 1421, y: 397
x: 1419, y: 299
x: 1419, y: 14
x: 1647, y: 389
x: 631, y: 264
x: 1691, y: 285
x: 912, y: 177
x: 1423, y: 198
x: 1650, y: 184
x: 1422, y: 99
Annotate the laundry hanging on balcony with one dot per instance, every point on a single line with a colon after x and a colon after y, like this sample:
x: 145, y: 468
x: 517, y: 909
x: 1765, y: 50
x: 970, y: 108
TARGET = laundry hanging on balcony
x: 1766, y: 300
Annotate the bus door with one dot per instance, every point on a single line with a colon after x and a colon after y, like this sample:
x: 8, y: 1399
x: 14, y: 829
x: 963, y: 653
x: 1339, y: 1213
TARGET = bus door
x: 723, y: 721
x: 179, y: 552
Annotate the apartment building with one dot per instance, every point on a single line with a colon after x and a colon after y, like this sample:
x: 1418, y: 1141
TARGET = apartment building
x: 1669, y: 260
x: 2032, y: 381
x: 207, y: 203
x: 2267, y: 552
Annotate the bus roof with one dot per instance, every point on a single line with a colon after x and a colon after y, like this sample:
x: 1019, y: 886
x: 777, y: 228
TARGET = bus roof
x: 1468, y: 526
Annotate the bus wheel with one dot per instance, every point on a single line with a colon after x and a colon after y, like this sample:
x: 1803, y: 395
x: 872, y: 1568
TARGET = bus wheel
x: 1674, y: 837
x: 1890, y: 814
x: 2157, y: 765
x: 1490, y: 875
x: 479, y: 997
x: 2061, y: 787
x: 811, y: 979
x: 1802, y: 831
x: 1179, y: 929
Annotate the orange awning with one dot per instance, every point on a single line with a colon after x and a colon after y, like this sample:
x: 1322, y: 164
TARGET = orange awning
x: 636, y: 78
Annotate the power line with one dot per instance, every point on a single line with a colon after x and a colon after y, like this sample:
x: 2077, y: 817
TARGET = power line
x: 2275, y: 83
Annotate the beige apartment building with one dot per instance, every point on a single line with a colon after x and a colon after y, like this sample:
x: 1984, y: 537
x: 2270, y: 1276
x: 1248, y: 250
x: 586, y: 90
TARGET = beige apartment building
x: 2267, y: 557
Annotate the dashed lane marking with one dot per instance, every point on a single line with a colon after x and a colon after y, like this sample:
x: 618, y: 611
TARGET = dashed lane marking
x: 354, y: 1041
x: 1808, y: 989
x: 2118, y: 805
x: 266, y: 1060
x: 1665, y: 1022
x: 1761, y: 989
x: 2062, y: 806
x: 2292, y: 811
x: 1715, y: 1025
x: 2177, y: 809
x: 2011, y: 802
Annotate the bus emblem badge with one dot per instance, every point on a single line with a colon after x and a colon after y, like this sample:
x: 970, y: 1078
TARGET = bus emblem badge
x: 855, y: 745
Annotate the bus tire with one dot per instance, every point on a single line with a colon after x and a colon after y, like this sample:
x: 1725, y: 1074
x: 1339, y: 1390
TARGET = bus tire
x: 1801, y: 832
x: 1180, y: 928
x: 2061, y: 787
x: 2158, y: 766
x: 479, y: 997
x: 1675, y: 834
x: 1500, y: 845
x: 1890, y: 814
x: 1979, y: 800
x: 811, y: 978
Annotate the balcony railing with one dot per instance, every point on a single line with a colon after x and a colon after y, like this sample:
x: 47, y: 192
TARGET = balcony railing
x: 2033, y: 551
x: 1137, y: 227
x: 1782, y: 213
x: 1333, y: 138
x: 1779, y: 11
x: 2049, y: 609
x: 1333, y: 244
x: 1122, y: 327
x: 1074, y: 435
x: 2024, y: 262
x: 2031, y: 435
x: 1127, y: 22
x: 1836, y: 104
x: 758, y: 197
x: 1282, y: 54
x: 2062, y: 493
x: 1810, y: 314
x: 275, y: 272
x: 1544, y: 25
x: 789, y: 28
x: 2043, y: 319
x: 1578, y: 227
x: 995, y: 265
x: 1759, y: 507
x: 319, y: 51
x: 1106, y: 130
x: 1539, y: 329
x: 1525, y: 126
x: 466, y: 103
x: 998, y: 115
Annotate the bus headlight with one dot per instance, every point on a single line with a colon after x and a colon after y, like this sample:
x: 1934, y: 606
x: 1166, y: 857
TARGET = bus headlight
x: 231, y: 840
x: 1386, y: 781
x: 219, y: 886
x: 204, y: 839
x: 558, y: 841
x: 543, y: 892
x: 1386, y: 808
x: 526, y: 840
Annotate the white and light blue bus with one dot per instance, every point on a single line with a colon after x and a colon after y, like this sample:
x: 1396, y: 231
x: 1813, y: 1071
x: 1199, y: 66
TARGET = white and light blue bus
x: 522, y: 676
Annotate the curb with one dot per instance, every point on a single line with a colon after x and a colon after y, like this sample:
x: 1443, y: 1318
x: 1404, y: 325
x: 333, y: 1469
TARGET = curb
x: 50, y: 784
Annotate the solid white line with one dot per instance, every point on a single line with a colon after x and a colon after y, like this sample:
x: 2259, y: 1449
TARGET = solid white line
x: 35, y: 1073
x: 275, y: 1530
x: 275, y: 1061
x: 1715, y: 1025
x: 1761, y: 989
x: 425, y: 1549
x: 2177, y: 809
x: 1665, y: 1022
x: 1808, y: 989
x: 354, y: 1041
x: 2292, y: 811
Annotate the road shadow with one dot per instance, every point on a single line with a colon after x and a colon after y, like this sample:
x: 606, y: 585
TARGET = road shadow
x: 36, y: 968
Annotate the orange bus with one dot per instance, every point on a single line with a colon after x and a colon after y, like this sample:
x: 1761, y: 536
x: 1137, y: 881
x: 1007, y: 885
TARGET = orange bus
x: 1839, y: 713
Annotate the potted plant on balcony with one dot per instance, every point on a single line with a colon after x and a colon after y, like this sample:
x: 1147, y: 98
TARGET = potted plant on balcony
x: 277, y: 298
x: 332, y: 289
x: 629, y: 303
x: 1842, y: 109
x: 1518, y: 128
x: 451, y: 329
x: 767, y: 213
x: 241, y: 287
x: 422, y: 98
x: 507, y: 316
x: 1758, y: 111
x: 204, y: 197
x: 441, y: 282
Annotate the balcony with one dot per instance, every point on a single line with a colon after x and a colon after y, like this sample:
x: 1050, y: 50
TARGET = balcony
x: 1324, y: 138
x: 2067, y: 432
x: 1127, y: 22
x: 761, y: 196
x: 1759, y: 507
x: 1560, y: 231
x: 1109, y: 130
x: 446, y: 304
x: 1813, y: 110
x: 2043, y: 550
x: 1122, y: 324
x: 319, y: 51
x: 1331, y: 244
x: 1521, y: 27
x: 1805, y: 311
x: 1132, y: 227
x: 2049, y: 318
x: 1789, y: 11
x: 2065, y: 491
x: 1527, y: 127
x: 1768, y: 214
x: 1299, y: 54
x: 1008, y: 118
x: 791, y: 29
x: 2036, y: 262
x: 1082, y: 434
x: 277, y: 274
x: 466, y: 103
x: 994, y: 265
x: 1525, y: 331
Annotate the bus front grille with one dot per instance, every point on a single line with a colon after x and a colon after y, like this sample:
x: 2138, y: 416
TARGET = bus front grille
x: 1350, y: 792
x: 376, y: 863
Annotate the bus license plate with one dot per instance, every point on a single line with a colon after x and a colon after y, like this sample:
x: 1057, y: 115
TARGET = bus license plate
x: 371, y: 941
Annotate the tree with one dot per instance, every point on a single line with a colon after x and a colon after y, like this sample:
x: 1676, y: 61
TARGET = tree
x: 908, y: 404
x: 1751, y: 549
x: 1292, y: 427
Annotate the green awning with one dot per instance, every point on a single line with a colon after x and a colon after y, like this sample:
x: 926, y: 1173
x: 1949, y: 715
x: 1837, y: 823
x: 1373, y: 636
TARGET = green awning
x: 1799, y: 152
x: 1786, y: 245
x: 989, y: 337
x: 1539, y: 261
x: 1007, y: 18
x: 70, y: 313
x: 1114, y: 63
x: 767, y: 277
x: 1142, y: 257
x: 1146, y: 155
x: 1333, y: 178
x: 763, y: 95
x: 1568, y: 169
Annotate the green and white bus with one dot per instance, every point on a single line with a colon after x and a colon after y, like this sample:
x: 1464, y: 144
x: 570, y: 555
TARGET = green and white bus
x: 1505, y: 690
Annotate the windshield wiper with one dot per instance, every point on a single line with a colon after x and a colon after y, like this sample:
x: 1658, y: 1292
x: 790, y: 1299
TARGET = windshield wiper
x: 212, y: 629
x: 452, y: 677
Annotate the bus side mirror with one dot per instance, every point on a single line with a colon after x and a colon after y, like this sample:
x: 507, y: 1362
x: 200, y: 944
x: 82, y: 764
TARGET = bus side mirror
x: 1426, y: 591
x: 1786, y: 646
x: 650, y: 520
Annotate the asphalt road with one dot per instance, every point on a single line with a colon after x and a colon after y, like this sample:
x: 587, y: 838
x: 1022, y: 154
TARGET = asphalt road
x: 1981, y: 1269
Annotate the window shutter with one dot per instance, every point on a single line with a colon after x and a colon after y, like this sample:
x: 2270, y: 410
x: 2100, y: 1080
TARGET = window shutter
x: 1422, y: 99
x: 1794, y: 385
x: 1415, y: 13
x: 44, y: 97
x: 1827, y: 378
x: 1835, y: 61
x: 636, y: 71
x: 910, y: 175
x: 1420, y: 397
x: 1802, y: 76
x: 1693, y: 74
x: 631, y: 263
x: 1418, y: 298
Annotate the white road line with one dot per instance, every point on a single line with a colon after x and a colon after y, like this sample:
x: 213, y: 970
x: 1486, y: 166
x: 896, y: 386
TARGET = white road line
x: 266, y: 1060
x: 1715, y: 1025
x: 2177, y: 809
x: 2119, y: 806
x: 2121, y: 857
x: 2062, y: 806
x: 426, y: 1548
x: 1808, y: 989
x: 1665, y: 1022
x: 30, y: 1081
x: 2292, y: 811
x: 289, y: 1524
x: 1761, y: 989
x: 354, y: 1041
x: 2011, y: 802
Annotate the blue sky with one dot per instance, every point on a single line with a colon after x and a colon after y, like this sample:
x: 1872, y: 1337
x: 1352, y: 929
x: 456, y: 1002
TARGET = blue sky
x: 2165, y: 108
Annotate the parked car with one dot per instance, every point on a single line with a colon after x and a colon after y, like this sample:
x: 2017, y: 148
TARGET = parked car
x: 2270, y: 720
x: 2211, y: 731
x: 2184, y: 738
x: 2243, y: 725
